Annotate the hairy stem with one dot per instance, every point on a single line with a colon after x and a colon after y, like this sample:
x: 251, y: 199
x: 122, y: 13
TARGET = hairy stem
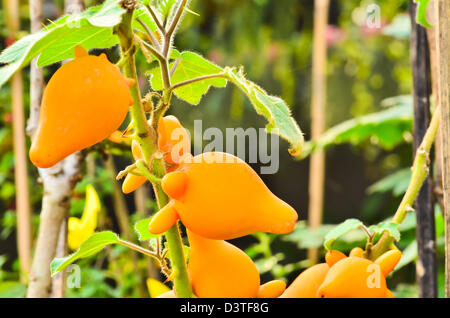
x: 147, y: 141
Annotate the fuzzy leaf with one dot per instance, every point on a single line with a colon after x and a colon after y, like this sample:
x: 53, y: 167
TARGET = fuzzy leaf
x: 273, y: 108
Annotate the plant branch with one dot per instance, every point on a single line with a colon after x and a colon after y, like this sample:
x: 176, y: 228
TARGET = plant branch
x: 150, y: 34
x: 138, y: 248
x: 156, y: 20
x: 172, y: 27
x: 140, y: 164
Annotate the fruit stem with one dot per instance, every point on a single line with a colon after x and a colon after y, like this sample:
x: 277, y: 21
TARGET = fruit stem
x: 147, y: 138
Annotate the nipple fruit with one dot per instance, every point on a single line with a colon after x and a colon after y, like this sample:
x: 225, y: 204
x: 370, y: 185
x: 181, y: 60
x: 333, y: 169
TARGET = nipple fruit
x: 218, y: 269
x: 356, y: 277
x: 84, y: 102
x: 219, y: 196
x: 307, y: 283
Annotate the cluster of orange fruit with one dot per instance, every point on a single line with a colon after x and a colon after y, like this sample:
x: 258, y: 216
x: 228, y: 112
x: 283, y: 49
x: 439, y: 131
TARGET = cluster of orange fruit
x: 215, y: 195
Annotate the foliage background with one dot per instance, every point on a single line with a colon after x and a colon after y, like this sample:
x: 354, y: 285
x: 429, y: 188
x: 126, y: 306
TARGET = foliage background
x: 273, y: 41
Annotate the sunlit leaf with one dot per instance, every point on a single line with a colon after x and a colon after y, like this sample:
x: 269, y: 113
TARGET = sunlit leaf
x: 94, y: 244
x: 56, y: 42
x: 189, y: 65
x: 141, y: 228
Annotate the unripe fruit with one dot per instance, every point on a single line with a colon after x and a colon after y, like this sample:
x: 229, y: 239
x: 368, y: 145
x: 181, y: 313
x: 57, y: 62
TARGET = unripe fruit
x: 219, y: 196
x: 272, y: 289
x: 354, y: 277
x: 84, y: 102
x: 218, y: 269
x: 307, y: 283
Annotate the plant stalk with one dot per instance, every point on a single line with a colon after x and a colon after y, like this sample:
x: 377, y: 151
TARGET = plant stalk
x: 147, y: 138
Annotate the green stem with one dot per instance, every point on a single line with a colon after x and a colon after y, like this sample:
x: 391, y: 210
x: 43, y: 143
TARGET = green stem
x: 147, y: 138
x: 140, y: 164
x: 420, y: 171
x: 138, y: 248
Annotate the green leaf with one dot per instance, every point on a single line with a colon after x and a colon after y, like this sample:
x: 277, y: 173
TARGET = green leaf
x: 12, y: 289
x: 94, y: 244
x: 141, y: 227
x: 56, y: 42
x: 165, y: 6
x: 109, y: 14
x: 386, y: 128
x: 273, y: 108
x: 339, y: 230
x: 87, y: 36
x: 189, y: 65
x: 396, y: 182
x: 390, y: 227
x: 409, y: 255
x: 421, y: 14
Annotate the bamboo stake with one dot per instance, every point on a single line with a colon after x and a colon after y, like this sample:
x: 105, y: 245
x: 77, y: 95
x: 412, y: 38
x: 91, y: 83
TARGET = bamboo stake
x: 426, y: 266
x: 317, y: 161
x: 20, y: 157
x: 431, y: 36
x: 443, y: 49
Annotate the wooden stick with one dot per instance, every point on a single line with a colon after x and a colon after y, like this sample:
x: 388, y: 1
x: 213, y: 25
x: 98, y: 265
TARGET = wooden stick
x: 426, y: 266
x: 443, y: 48
x: 319, y: 92
x: 20, y: 156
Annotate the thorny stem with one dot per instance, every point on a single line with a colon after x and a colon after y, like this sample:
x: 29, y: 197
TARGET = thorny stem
x: 420, y: 170
x: 147, y: 138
